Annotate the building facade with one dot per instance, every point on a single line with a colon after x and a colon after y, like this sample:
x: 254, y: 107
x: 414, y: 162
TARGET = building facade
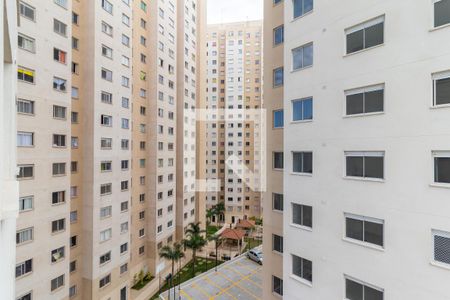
x: 366, y: 151
x: 273, y: 103
x: 97, y: 143
x: 8, y: 169
x: 232, y: 145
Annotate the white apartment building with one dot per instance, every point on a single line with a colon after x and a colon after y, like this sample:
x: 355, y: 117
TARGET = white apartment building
x: 366, y: 150
x: 8, y: 168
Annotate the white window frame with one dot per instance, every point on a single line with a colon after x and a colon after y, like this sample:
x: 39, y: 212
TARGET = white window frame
x: 368, y: 219
x: 363, y: 25
x: 364, y: 89
x: 362, y: 283
x: 362, y: 154
x: 434, y: 77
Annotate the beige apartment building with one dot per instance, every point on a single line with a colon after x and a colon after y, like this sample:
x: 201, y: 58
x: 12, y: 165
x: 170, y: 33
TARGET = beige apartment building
x: 106, y: 150
x: 273, y: 103
x: 231, y: 146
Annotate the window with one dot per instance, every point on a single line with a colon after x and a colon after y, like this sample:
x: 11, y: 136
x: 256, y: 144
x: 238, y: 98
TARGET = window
x: 302, y: 162
x: 105, y: 258
x: 107, y: 6
x: 58, y: 197
x: 75, y: 18
x: 62, y: 3
x: 106, y: 166
x: 302, y: 7
x: 143, y: 6
x: 278, y: 119
x: 106, y: 97
x: 105, y: 281
x: 25, y: 106
x: 441, y: 167
x: 25, y: 172
x: 278, y: 77
x: 125, y: 81
x: 27, y: 11
x: 302, y: 268
x: 106, y: 211
x: 365, y: 100
x: 441, y: 249
x: 59, y: 84
x: 107, y: 52
x: 105, y: 189
x: 302, y: 57
x: 59, y: 112
x: 24, y: 268
x: 73, y: 242
x: 26, y: 43
x: 106, y: 28
x: 125, y: 102
x: 57, y: 254
x: 58, y: 225
x: 366, y: 35
x: 59, y: 27
x: 277, y: 243
x: 105, y: 235
x: 277, y: 283
x: 364, y: 229
x: 106, y: 74
x: 123, y: 248
x: 278, y: 160
x: 357, y: 290
x: 441, y: 88
x: 106, y: 120
x: 302, y: 215
x: 277, y: 201
x: 25, y: 139
x: 59, y: 169
x: 106, y: 143
x: 278, y: 35
x: 123, y: 269
x: 26, y: 203
x: 124, y: 227
x: 24, y: 235
x: 59, y: 140
x: 75, y: 43
x: 441, y: 12
x: 72, y: 291
x: 57, y: 282
x: 26, y: 75
x: 365, y: 164
x: 125, y: 40
x: 74, y: 93
x: 302, y: 109
x: 125, y: 19
x: 59, y: 55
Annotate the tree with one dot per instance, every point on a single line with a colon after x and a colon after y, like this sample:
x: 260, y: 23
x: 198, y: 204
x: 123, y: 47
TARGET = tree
x: 195, y: 241
x: 173, y: 254
x: 209, y: 214
x: 219, y: 209
x: 217, y: 241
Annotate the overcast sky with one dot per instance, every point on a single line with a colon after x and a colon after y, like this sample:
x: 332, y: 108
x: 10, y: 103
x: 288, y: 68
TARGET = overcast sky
x: 225, y: 11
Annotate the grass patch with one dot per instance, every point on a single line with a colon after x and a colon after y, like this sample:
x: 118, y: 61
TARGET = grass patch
x: 140, y: 285
x: 186, y: 273
x: 211, y: 229
x: 251, y: 243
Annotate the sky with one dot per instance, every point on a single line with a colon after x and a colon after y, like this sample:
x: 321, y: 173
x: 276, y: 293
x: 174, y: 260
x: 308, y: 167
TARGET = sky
x: 225, y: 11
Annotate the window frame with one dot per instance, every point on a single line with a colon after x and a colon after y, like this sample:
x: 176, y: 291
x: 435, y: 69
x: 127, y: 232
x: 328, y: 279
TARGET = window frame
x: 363, y: 26
x: 364, y: 284
x: 435, y: 77
x: 364, y: 154
x: 363, y: 90
x: 303, y: 119
x: 362, y: 242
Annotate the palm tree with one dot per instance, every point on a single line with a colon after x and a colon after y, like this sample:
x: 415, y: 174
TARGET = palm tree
x: 173, y: 254
x: 194, y: 241
x: 219, y: 209
x: 217, y: 241
x: 209, y: 214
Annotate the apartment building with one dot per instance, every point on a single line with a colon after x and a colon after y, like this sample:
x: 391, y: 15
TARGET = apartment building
x: 98, y: 165
x: 231, y: 148
x: 366, y: 149
x: 273, y: 103
x: 8, y: 182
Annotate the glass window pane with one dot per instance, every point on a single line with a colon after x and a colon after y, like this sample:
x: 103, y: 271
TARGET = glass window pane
x: 296, y: 266
x: 353, y: 290
x: 373, y: 167
x: 296, y: 214
x: 297, y: 58
x: 355, y: 166
x: 441, y: 13
x: 297, y: 111
x: 442, y: 91
x: 372, y: 294
x: 278, y: 119
x: 355, y: 104
x: 307, y: 162
x: 307, y: 269
x: 374, y: 35
x: 442, y: 169
x: 297, y: 162
x: 373, y: 233
x: 374, y: 101
x: 307, y: 6
x: 442, y: 249
x: 308, y: 109
x: 298, y: 8
x: 355, y: 41
x: 354, y: 229
x: 307, y: 216
x: 308, y: 55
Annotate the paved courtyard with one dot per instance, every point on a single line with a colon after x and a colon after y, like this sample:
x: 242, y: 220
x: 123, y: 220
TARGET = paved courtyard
x: 239, y: 279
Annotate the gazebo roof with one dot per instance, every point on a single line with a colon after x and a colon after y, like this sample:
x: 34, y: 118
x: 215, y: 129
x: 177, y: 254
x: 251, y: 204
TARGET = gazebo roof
x: 233, y: 234
x: 245, y: 224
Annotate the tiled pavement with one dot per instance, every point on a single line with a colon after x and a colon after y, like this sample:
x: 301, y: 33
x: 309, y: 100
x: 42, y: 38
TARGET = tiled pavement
x: 239, y: 279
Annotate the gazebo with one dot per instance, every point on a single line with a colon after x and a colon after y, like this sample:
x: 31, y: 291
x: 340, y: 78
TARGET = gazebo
x: 233, y: 238
x: 246, y: 225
